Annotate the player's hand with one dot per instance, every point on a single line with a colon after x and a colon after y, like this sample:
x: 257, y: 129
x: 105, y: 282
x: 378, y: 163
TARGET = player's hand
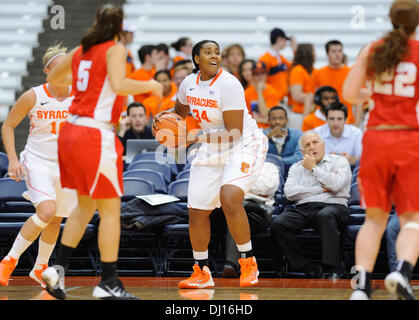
x: 16, y: 171
x: 157, y: 88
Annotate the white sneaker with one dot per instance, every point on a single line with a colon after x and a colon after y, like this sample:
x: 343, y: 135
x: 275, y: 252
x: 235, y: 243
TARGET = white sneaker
x: 359, y: 295
x: 55, y: 282
x: 398, y: 284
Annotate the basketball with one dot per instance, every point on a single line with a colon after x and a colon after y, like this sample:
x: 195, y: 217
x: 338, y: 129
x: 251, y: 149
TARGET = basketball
x: 171, y: 130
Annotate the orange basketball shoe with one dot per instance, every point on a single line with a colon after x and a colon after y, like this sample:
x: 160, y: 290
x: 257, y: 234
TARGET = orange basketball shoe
x: 37, y: 272
x: 249, y: 272
x: 199, y: 279
x: 7, y: 265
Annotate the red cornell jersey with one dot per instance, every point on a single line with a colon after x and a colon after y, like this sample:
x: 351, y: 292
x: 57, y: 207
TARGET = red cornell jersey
x: 93, y: 96
x: 395, y: 99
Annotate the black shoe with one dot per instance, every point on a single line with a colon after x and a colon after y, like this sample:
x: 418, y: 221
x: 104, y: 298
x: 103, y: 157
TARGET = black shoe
x: 55, y: 282
x: 229, y: 271
x: 399, y: 284
x: 112, y: 289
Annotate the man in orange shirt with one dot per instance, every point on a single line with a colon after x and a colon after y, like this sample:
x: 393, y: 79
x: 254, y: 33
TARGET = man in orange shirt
x: 334, y: 74
x: 148, y: 56
x: 323, y: 98
x: 260, y: 96
x: 276, y: 63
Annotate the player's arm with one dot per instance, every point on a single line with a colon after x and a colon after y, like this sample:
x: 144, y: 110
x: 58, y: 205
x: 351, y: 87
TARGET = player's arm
x: 21, y: 108
x: 120, y: 84
x: 61, y: 73
x: 353, y: 90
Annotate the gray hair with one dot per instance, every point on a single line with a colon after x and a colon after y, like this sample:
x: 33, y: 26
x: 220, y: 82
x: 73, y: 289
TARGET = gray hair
x: 300, y: 141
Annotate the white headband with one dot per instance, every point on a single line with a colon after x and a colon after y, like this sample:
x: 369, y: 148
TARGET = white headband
x: 50, y: 60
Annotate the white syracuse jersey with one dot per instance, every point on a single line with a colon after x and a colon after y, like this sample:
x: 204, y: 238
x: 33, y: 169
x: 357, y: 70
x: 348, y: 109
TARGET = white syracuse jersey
x: 46, y: 119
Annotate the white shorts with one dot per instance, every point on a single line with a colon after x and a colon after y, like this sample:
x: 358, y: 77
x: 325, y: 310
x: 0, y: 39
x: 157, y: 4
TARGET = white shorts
x: 241, y: 168
x: 43, y: 182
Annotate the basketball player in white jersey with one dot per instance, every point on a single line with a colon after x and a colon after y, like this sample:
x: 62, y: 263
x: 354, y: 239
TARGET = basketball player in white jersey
x: 221, y: 173
x: 47, y: 107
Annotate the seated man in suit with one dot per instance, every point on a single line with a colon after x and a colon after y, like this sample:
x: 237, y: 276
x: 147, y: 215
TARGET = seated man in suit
x: 320, y: 186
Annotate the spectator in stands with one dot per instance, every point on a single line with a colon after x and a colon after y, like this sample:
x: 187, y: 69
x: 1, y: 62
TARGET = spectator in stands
x: 320, y: 185
x: 260, y: 96
x: 276, y: 63
x: 334, y: 74
x: 341, y: 138
x: 392, y: 231
x: 147, y: 55
x: 183, y: 48
x: 163, y: 59
x: 283, y: 141
x: 185, y: 63
x: 245, y: 72
x: 234, y: 55
x: 154, y: 104
x: 134, y: 125
x: 258, y: 204
x: 323, y: 97
x: 298, y: 82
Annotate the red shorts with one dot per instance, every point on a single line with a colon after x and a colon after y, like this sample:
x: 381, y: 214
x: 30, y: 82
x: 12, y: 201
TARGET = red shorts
x: 389, y: 170
x: 90, y: 161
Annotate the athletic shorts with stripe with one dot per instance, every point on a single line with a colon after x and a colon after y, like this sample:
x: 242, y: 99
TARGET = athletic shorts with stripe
x: 241, y: 168
x: 43, y: 183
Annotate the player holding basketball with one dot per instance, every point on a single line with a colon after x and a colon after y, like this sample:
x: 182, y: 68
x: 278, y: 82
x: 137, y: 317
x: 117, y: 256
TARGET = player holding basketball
x: 47, y: 107
x: 389, y: 166
x: 221, y: 173
x: 89, y: 153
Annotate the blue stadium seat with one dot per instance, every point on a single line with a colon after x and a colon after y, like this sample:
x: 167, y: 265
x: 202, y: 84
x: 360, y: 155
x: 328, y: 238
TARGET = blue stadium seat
x: 152, y: 165
x: 179, y: 188
x: 4, y: 164
x: 11, y: 199
x: 187, y: 166
x: 276, y: 160
x: 136, y: 187
x: 183, y: 174
x: 156, y: 178
x: 169, y: 160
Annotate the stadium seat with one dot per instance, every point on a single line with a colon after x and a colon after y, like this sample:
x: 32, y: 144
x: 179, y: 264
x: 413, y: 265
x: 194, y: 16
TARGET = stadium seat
x: 183, y: 174
x: 152, y: 165
x: 11, y: 199
x: 179, y: 188
x: 4, y: 164
x: 136, y: 187
x: 162, y: 158
x: 156, y: 178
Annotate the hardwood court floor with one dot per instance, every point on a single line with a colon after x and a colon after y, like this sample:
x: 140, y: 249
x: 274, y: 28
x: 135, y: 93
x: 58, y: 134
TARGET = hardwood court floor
x: 163, y: 288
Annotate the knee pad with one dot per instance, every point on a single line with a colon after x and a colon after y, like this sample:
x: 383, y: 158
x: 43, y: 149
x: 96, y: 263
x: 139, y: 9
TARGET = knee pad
x: 38, y: 221
x: 411, y: 225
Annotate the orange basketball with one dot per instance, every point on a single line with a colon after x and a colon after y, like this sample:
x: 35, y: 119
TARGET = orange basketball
x: 171, y: 130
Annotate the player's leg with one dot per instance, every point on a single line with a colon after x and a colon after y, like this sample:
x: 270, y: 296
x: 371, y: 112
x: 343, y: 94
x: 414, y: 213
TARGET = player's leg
x: 231, y: 198
x: 407, y: 248
x: 367, y: 245
x: 199, y: 235
x: 45, y: 212
x: 73, y: 232
x: 109, y: 233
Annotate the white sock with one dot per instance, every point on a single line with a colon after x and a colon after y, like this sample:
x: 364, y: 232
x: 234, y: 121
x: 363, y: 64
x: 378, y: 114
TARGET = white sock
x: 19, y: 247
x: 244, y: 247
x: 198, y: 255
x: 44, y: 252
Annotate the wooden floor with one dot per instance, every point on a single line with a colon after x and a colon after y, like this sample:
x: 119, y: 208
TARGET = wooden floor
x: 162, y: 288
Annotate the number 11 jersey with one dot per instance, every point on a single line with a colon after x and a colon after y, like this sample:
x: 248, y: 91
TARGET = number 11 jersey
x: 46, y: 117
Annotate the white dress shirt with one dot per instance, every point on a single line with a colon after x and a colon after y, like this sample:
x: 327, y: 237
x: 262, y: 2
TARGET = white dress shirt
x: 350, y: 141
x: 333, y: 172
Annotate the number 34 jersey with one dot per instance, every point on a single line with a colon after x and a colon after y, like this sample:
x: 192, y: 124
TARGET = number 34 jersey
x: 46, y: 117
x: 395, y: 100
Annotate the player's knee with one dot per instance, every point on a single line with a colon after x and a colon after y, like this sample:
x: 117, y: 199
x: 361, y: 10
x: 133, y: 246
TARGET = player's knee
x: 46, y: 211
